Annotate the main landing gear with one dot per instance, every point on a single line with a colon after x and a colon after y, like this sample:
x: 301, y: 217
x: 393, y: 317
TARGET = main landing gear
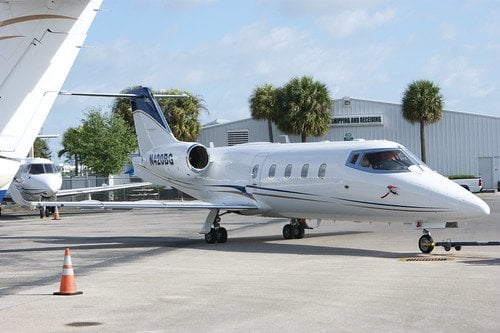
x: 46, y: 211
x: 214, y: 233
x: 295, y: 229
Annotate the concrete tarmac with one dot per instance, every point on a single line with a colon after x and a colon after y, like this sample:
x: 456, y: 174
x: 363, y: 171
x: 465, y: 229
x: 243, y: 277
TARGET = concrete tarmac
x: 150, y: 271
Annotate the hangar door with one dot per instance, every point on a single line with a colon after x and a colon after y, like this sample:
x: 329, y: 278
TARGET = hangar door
x: 485, y: 168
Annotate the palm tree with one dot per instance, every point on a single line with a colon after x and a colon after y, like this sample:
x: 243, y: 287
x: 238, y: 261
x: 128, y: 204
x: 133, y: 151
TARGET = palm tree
x: 41, y: 148
x: 122, y: 106
x: 263, y: 105
x: 182, y: 114
x: 72, y: 144
x: 304, y: 107
x: 423, y: 104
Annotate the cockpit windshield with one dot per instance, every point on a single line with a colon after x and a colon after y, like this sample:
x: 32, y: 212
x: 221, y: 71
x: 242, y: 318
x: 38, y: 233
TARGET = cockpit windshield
x: 38, y: 169
x: 387, y: 160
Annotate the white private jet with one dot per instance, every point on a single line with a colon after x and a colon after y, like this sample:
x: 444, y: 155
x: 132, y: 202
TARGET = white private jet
x: 39, y: 179
x: 375, y: 180
x: 39, y: 41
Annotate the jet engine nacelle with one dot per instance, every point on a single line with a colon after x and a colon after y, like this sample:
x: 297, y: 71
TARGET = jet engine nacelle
x: 183, y: 160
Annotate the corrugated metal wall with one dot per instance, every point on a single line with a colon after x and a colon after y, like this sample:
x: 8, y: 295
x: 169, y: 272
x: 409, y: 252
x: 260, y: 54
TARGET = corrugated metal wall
x: 454, y: 144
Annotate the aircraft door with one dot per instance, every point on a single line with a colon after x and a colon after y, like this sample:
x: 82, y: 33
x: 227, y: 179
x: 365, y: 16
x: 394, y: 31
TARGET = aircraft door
x: 257, y: 168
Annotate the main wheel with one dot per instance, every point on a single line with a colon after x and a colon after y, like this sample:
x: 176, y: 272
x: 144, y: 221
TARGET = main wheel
x: 221, y: 235
x: 211, y: 236
x: 426, y: 244
x: 298, y: 232
x: 288, y: 232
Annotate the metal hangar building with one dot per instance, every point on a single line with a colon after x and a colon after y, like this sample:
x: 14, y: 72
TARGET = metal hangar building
x: 460, y: 143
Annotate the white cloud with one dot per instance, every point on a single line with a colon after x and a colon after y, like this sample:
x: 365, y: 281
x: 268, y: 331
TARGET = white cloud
x: 460, y: 79
x: 316, y: 7
x: 349, y: 22
x: 179, y: 4
x: 449, y: 31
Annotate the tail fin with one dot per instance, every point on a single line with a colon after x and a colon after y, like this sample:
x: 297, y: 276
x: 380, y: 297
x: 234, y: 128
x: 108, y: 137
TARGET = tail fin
x: 150, y: 125
x: 39, y: 42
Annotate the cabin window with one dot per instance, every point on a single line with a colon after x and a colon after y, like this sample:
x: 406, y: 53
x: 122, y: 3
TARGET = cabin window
x: 305, y: 170
x: 322, y: 170
x: 288, y: 171
x: 272, y: 170
x: 255, y: 171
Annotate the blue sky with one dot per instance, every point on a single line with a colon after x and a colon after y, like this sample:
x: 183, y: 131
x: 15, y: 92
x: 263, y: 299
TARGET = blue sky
x: 221, y: 50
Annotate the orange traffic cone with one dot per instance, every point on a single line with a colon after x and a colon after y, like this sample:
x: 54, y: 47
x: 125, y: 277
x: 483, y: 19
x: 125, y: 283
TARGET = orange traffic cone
x: 68, y: 284
x: 56, y: 214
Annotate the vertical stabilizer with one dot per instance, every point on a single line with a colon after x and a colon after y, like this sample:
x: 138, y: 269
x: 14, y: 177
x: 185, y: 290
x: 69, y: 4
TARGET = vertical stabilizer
x: 150, y: 124
x: 39, y: 41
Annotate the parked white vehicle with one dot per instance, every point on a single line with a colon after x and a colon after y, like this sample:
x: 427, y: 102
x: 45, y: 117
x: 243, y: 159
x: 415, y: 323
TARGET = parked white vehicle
x: 472, y: 184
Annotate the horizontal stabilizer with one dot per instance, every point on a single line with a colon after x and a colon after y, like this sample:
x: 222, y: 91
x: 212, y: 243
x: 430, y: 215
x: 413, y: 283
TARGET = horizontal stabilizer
x: 143, y: 204
x: 102, y: 188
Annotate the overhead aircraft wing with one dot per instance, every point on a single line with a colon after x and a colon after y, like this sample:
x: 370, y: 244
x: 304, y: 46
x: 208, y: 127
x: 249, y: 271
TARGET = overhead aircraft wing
x: 144, y: 204
x: 103, y: 188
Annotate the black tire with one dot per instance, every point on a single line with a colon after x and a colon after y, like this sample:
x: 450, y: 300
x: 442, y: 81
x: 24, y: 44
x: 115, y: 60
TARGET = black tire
x: 299, y: 232
x: 426, y: 244
x: 458, y: 247
x: 221, y: 235
x: 211, y: 237
x: 447, y: 248
x: 288, y: 232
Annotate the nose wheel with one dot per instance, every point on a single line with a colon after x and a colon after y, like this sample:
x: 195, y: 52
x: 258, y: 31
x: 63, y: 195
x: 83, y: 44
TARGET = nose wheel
x: 426, y: 243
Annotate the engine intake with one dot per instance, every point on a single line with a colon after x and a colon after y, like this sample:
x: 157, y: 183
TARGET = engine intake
x: 198, y: 157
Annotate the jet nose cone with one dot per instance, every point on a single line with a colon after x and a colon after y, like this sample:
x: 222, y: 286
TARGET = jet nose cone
x: 474, y: 207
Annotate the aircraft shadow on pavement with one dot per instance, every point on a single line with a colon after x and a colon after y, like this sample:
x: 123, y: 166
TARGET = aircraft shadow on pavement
x: 483, y: 262
x: 257, y: 244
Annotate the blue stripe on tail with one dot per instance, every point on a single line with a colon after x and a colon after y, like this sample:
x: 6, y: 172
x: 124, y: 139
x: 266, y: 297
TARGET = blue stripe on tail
x: 148, y: 104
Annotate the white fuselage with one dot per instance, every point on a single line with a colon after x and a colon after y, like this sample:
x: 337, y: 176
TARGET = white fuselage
x: 8, y: 169
x: 317, y: 180
x: 37, y: 179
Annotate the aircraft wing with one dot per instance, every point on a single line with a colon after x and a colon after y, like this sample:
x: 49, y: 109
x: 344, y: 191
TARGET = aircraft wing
x: 144, y: 204
x: 103, y: 188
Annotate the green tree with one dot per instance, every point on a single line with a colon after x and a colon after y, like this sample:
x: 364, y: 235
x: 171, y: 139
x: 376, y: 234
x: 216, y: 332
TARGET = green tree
x: 304, y: 107
x: 72, y: 146
x: 263, y: 103
x: 422, y: 104
x: 122, y: 107
x: 181, y: 113
x: 41, y: 148
x: 102, y: 143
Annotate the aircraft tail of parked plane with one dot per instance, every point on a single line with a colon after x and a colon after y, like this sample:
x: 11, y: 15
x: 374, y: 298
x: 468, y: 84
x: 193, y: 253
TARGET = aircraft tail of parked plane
x: 39, y: 41
x: 372, y: 180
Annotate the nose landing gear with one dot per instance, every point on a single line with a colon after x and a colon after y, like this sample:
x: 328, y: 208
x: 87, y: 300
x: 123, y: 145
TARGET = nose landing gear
x: 426, y: 243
